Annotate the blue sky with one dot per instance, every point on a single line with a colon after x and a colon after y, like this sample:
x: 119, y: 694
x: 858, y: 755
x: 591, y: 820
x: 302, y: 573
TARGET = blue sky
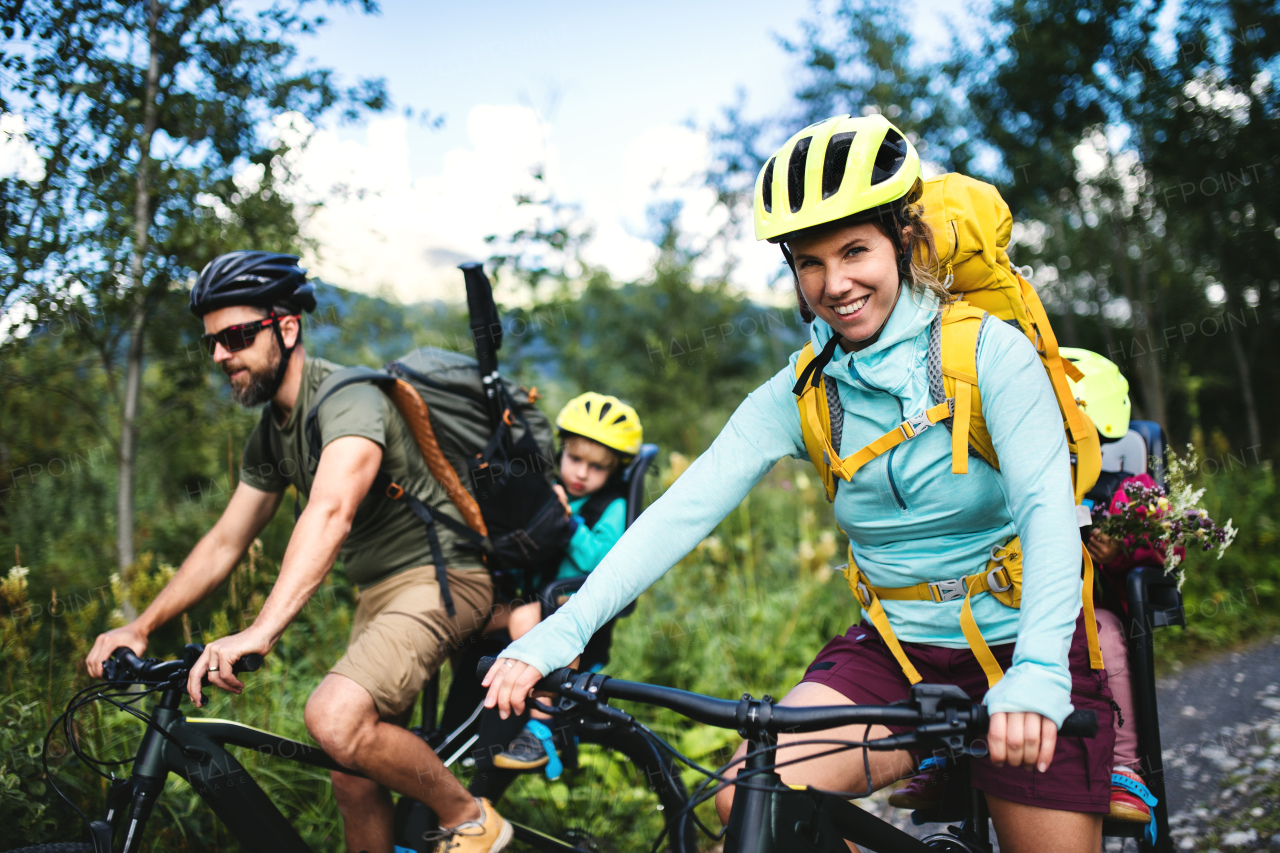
x: 612, y: 100
x: 596, y: 71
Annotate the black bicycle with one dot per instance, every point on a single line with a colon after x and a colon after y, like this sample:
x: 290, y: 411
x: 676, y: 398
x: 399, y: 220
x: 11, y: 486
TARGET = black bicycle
x: 611, y: 773
x: 771, y: 817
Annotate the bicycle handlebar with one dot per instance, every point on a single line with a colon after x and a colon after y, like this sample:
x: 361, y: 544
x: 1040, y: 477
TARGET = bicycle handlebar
x: 124, y: 665
x: 726, y: 713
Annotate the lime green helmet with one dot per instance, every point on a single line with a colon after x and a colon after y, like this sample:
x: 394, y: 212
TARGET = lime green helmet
x: 1103, y: 393
x: 831, y: 170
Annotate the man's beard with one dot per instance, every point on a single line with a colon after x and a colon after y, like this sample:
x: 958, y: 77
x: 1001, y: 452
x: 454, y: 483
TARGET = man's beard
x: 262, y: 384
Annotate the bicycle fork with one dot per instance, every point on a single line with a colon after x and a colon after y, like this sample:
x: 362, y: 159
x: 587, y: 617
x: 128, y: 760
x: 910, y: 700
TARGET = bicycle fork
x: 147, y: 780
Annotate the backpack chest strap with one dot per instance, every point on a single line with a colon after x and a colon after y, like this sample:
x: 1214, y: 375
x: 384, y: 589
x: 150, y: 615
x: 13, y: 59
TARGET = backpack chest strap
x: 846, y: 467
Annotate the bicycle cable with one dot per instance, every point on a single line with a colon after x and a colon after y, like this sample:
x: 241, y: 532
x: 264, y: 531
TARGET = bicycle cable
x: 44, y: 753
x: 80, y: 700
x: 110, y: 698
x: 742, y: 779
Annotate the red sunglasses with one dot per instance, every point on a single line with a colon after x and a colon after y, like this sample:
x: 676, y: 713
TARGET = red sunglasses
x: 238, y: 337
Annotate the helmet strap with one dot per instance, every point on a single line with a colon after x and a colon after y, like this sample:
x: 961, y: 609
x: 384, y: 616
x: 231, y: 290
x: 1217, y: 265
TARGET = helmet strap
x: 285, y: 358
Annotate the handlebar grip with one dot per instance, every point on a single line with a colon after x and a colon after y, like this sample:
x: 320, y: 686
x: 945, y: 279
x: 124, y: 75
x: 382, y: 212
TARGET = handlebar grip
x: 124, y: 659
x: 486, y: 664
x: 251, y: 662
x: 1080, y: 724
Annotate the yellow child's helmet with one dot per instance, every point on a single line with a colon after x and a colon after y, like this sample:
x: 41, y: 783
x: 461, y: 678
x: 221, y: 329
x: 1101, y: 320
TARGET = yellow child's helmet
x: 605, y: 419
x: 830, y: 170
x: 1103, y: 393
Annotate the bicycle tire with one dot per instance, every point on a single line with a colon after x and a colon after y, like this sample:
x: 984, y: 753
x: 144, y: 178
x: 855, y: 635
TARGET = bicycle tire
x: 606, y: 805
x: 65, y: 847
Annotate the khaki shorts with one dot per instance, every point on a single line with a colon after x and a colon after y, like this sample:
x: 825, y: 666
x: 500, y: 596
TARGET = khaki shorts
x: 401, y: 633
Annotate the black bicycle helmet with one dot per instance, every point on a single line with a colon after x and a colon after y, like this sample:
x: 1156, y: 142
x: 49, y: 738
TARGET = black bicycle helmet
x: 264, y: 279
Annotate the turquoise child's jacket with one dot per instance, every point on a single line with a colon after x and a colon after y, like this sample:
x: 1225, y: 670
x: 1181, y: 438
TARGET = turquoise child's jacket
x: 910, y: 519
x: 588, y: 545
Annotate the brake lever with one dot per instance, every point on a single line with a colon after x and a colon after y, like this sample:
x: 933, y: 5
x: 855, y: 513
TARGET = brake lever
x: 582, y: 691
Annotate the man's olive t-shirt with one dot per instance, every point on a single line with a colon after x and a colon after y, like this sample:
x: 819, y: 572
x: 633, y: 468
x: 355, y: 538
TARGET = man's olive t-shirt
x: 386, y: 537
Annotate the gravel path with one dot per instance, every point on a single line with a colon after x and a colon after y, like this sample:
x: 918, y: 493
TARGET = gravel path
x: 1220, y: 725
x: 1212, y: 719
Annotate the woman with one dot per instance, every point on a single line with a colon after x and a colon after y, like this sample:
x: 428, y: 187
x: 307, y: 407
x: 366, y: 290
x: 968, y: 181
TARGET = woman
x: 839, y: 198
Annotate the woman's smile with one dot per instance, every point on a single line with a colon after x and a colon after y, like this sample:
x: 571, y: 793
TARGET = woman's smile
x: 851, y: 309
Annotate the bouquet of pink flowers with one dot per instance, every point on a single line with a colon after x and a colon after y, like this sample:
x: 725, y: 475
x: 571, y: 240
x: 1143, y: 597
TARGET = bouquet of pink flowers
x: 1146, y: 516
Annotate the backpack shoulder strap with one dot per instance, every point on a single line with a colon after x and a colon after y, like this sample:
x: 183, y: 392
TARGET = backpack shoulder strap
x: 594, y: 506
x: 816, y: 413
x: 961, y: 329
x: 414, y: 411
x: 331, y: 384
x: 264, y: 437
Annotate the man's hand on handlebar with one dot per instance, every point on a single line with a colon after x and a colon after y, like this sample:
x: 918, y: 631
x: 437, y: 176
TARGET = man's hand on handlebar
x: 218, y: 658
x: 510, y: 682
x: 130, y: 636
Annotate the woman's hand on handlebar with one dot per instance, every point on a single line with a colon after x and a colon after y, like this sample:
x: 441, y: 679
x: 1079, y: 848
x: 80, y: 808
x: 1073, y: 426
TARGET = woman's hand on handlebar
x: 218, y: 658
x: 510, y: 682
x: 130, y: 636
x: 1021, y: 737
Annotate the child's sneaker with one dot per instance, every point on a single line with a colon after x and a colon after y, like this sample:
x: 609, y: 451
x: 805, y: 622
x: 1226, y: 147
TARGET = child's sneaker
x: 923, y: 790
x: 489, y: 834
x: 525, y: 752
x: 1130, y: 799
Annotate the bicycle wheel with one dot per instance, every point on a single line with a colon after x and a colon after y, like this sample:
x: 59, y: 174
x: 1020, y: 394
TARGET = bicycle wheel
x: 69, y: 847
x: 617, y: 800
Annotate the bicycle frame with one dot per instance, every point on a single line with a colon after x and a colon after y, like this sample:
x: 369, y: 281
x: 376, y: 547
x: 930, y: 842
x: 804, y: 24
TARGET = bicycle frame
x: 769, y: 817
x: 194, y: 750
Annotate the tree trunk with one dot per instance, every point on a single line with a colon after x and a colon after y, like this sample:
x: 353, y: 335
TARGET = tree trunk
x: 1144, y: 345
x: 137, y: 326
x: 1237, y: 353
x: 1152, y: 377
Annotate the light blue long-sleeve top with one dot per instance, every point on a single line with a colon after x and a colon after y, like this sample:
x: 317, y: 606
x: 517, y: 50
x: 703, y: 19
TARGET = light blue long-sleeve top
x: 909, y: 518
x: 588, y: 545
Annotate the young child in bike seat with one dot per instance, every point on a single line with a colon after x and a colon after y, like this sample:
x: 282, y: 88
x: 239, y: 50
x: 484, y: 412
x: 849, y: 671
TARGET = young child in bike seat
x: 1103, y: 395
x: 599, y: 436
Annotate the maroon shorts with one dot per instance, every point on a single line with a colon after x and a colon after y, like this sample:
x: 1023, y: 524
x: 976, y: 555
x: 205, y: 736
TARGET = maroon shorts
x: 860, y: 666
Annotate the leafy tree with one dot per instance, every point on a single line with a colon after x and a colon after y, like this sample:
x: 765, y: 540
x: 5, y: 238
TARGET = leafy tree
x: 151, y: 120
x: 856, y: 57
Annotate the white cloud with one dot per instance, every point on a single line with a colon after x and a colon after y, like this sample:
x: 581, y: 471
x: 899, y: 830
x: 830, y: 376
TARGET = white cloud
x: 380, y: 229
x: 18, y: 157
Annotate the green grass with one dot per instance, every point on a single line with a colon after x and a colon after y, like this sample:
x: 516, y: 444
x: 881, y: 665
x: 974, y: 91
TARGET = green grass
x: 746, y: 612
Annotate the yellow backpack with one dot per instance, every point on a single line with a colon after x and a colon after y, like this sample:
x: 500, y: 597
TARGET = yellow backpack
x: 971, y: 226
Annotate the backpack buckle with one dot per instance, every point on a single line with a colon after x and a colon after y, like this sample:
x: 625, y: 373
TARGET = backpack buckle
x: 394, y: 491
x: 993, y: 579
x: 915, y: 425
x: 948, y: 590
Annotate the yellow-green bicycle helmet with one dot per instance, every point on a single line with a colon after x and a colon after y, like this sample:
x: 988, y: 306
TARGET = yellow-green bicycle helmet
x: 1103, y: 393
x: 830, y: 170
x: 605, y: 419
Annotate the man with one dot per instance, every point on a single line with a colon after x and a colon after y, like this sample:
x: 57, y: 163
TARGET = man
x: 251, y: 304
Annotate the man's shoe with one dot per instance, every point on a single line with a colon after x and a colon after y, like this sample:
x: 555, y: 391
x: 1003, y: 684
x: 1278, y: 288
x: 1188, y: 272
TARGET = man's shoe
x: 924, y: 789
x: 489, y: 834
x: 526, y: 752
x: 1128, y: 802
